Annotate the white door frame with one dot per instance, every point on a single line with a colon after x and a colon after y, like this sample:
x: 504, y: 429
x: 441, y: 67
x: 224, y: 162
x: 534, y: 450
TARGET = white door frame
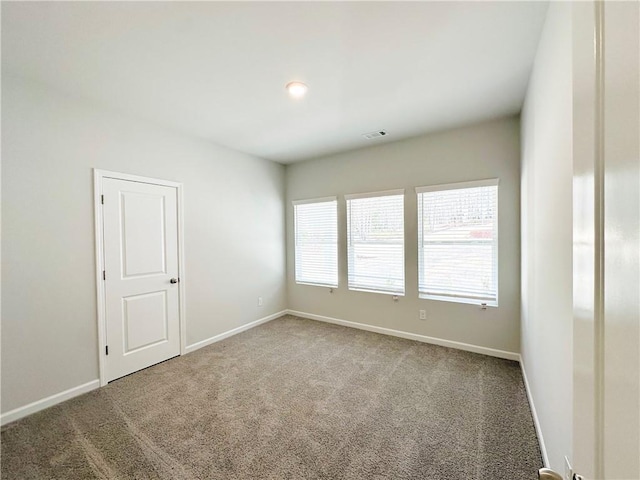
x: 98, y: 176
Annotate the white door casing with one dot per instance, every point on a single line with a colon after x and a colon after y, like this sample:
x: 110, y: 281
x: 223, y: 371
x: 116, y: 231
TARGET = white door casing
x: 138, y: 239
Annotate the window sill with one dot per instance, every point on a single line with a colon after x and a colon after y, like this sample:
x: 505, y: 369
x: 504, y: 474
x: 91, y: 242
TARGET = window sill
x: 395, y: 294
x: 468, y: 301
x: 317, y: 284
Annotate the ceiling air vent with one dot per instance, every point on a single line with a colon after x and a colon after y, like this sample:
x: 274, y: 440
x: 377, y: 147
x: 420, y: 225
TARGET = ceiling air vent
x: 372, y: 135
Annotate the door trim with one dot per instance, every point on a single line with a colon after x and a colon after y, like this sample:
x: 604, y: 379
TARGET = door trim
x: 599, y: 241
x: 98, y: 177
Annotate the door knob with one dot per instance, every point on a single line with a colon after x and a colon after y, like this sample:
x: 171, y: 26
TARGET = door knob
x: 548, y: 474
x: 174, y: 280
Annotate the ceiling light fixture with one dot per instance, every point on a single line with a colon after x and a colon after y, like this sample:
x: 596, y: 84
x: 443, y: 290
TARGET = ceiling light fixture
x: 296, y: 89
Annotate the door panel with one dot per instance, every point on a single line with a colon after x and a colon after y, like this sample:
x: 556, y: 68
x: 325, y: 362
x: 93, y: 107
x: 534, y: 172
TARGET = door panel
x: 145, y: 320
x: 143, y: 236
x: 140, y: 258
x: 621, y: 148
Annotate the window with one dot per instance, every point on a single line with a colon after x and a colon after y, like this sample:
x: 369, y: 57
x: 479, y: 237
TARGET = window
x: 316, y: 241
x: 375, y: 242
x: 458, y: 242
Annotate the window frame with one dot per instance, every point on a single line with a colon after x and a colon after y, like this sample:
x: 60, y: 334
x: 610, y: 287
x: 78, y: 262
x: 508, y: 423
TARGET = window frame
x: 295, y: 203
x: 490, y: 182
x: 358, y: 196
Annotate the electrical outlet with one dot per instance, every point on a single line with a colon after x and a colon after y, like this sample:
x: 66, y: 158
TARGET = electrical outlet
x: 259, y: 301
x: 423, y: 314
x: 568, y: 471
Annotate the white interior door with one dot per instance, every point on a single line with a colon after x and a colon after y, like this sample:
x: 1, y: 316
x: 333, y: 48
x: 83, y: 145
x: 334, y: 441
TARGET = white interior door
x: 606, y: 417
x: 140, y: 228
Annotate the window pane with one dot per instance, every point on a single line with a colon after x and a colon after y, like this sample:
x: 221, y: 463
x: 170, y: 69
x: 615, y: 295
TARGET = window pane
x: 458, y: 243
x: 376, y: 243
x: 316, y: 243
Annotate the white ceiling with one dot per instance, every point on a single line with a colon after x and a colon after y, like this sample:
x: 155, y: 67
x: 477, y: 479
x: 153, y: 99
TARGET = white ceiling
x: 218, y: 69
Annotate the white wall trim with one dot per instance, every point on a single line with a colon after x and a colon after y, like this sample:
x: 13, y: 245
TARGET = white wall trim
x: 100, y: 296
x: 221, y: 336
x: 534, y: 414
x: 50, y: 401
x: 411, y: 336
x: 489, y: 182
x: 181, y: 271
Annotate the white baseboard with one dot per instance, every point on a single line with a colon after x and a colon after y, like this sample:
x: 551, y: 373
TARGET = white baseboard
x: 79, y: 390
x: 411, y: 336
x: 38, y: 405
x: 536, y: 421
x: 216, y: 338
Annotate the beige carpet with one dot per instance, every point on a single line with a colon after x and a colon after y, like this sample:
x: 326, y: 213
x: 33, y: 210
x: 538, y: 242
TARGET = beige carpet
x: 291, y: 399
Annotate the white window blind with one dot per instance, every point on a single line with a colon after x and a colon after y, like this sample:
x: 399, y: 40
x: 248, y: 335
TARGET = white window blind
x: 316, y: 241
x: 458, y: 242
x: 375, y: 242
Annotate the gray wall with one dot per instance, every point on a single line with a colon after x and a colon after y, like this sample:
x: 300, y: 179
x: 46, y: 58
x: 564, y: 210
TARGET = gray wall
x: 486, y: 150
x: 234, y: 233
x: 547, y: 239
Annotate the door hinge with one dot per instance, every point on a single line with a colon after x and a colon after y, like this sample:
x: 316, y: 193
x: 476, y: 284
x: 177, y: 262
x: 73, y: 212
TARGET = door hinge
x: 107, y: 349
x: 104, y: 275
x: 102, y: 199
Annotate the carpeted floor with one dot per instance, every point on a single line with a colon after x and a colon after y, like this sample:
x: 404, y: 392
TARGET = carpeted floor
x: 291, y: 399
